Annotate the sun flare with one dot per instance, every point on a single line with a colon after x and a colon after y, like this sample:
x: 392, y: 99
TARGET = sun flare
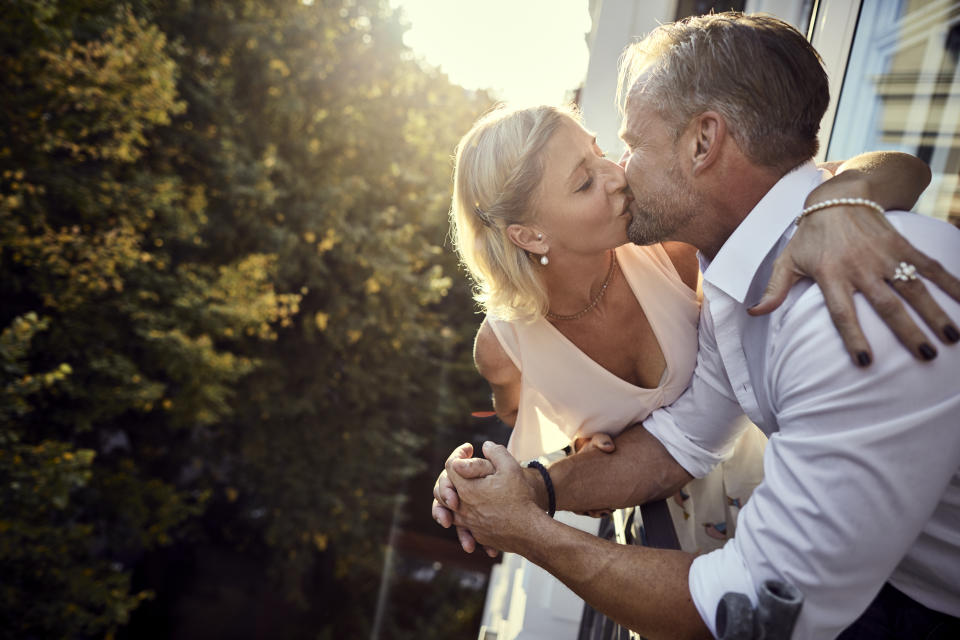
x: 532, y: 51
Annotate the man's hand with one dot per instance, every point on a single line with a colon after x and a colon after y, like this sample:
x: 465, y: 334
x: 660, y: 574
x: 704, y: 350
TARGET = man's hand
x: 848, y: 249
x: 500, y: 508
x: 446, y: 501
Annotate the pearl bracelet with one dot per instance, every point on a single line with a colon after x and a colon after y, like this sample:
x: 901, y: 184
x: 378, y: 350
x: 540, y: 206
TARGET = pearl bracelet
x: 836, y: 202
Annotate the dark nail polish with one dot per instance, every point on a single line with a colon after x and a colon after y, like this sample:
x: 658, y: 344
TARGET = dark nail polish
x: 927, y: 352
x: 951, y: 333
x: 863, y: 358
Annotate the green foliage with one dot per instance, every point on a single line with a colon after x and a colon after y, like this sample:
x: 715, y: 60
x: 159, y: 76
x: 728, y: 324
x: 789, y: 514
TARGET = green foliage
x: 226, y: 291
x: 43, y: 535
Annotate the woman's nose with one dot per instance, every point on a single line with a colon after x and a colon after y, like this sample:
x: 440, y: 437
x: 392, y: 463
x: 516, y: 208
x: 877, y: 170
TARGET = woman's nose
x: 617, y: 178
x: 624, y: 158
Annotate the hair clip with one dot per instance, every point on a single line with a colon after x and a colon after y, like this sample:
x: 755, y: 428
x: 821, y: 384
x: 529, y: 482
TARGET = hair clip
x: 483, y: 216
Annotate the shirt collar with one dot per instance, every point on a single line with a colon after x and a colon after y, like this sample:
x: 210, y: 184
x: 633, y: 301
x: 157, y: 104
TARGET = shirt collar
x: 733, y: 268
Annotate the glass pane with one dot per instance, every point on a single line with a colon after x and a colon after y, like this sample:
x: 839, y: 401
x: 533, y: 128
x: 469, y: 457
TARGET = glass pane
x: 902, y: 92
x: 687, y: 8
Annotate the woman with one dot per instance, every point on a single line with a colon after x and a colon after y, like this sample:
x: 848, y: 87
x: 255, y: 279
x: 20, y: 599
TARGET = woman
x: 584, y: 334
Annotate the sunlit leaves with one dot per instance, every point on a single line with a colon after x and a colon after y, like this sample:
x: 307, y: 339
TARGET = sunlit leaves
x: 106, y: 93
x: 227, y: 219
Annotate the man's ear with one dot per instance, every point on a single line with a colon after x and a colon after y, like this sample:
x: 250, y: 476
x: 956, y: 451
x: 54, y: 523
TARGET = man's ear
x: 709, y: 133
x: 527, y: 238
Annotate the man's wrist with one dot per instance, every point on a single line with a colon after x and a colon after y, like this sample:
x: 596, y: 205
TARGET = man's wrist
x: 535, y: 480
x: 548, y: 483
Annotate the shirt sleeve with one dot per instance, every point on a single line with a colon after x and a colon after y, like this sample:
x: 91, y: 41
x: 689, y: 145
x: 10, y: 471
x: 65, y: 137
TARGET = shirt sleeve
x: 860, y: 464
x: 701, y: 427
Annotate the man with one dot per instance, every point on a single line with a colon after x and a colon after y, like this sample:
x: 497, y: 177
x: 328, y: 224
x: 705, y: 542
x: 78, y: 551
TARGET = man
x: 861, y: 494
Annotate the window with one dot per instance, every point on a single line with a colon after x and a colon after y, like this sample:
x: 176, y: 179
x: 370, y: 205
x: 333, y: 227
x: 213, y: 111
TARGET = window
x: 902, y: 91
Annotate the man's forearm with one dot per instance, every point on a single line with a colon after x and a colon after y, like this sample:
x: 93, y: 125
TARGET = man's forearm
x: 638, y: 471
x: 641, y: 588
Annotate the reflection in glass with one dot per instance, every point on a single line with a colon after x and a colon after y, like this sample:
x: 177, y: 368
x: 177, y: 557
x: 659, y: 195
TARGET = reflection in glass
x: 902, y: 91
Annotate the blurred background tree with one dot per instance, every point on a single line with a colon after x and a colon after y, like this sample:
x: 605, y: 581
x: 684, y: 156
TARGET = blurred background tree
x: 233, y: 338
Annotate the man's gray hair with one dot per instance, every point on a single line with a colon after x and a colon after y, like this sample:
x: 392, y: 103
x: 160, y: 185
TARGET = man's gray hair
x: 758, y: 72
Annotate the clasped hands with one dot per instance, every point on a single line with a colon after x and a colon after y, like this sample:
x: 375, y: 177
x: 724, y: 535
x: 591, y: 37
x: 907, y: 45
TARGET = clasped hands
x: 494, y: 501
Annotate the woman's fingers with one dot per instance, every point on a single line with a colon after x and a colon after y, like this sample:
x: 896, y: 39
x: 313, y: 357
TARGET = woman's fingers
x: 442, y: 515
x: 599, y: 441
x: 445, y: 493
x: 838, y: 298
x: 849, y: 249
x: 917, y: 296
x: 890, y: 286
x: 472, y: 467
x: 784, y: 276
x: 466, y: 540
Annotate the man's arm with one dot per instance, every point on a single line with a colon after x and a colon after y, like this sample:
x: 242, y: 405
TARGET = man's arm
x: 639, y: 470
x: 641, y: 588
x: 862, y: 460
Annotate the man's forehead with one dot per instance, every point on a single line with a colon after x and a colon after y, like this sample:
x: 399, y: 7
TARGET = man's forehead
x: 633, y: 112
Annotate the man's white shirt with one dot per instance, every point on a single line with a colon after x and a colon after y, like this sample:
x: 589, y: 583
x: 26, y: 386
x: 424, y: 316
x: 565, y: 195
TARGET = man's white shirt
x: 861, y: 482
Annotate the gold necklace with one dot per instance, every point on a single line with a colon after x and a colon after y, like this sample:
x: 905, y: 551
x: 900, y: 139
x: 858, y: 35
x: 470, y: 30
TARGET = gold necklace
x: 596, y: 299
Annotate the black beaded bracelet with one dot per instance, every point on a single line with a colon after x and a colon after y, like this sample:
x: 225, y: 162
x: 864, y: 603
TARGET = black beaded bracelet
x: 551, y: 495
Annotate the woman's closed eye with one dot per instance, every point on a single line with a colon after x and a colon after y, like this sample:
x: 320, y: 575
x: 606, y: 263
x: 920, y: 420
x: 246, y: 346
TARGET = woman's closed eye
x: 586, y: 185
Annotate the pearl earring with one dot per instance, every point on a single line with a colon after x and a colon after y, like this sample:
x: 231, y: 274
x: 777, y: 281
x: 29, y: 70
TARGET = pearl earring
x: 544, y: 260
x: 539, y: 236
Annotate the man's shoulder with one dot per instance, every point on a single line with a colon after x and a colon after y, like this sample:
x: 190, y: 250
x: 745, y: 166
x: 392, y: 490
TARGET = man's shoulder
x: 934, y: 237
x: 802, y: 333
x: 942, y: 238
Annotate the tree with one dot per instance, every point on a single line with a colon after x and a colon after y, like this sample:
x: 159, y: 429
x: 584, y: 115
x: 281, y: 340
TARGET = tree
x: 232, y: 325
x: 97, y: 297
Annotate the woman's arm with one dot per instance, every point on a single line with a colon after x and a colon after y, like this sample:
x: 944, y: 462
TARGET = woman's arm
x: 892, y: 179
x: 851, y: 248
x: 498, y: 370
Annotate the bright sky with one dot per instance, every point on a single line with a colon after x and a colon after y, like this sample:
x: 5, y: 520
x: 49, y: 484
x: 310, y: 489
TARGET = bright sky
x: 527, y: 51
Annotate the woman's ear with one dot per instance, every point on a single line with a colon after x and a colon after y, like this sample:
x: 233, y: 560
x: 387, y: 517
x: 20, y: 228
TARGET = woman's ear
x: 527, y: 239
x: 709, y: 131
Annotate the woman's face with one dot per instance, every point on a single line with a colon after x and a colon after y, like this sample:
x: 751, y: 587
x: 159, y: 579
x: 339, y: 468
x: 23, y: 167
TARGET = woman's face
x: 582, y: 205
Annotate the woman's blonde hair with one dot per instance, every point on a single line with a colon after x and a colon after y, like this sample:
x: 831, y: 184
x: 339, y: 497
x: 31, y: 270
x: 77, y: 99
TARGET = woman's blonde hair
x: 499, y: 166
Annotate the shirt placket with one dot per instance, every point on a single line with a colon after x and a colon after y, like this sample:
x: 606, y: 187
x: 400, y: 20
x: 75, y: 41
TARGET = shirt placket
x: 728, y: 321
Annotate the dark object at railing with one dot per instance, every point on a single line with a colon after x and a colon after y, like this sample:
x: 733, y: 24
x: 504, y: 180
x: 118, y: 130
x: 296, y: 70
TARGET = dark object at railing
x: 778, y: 605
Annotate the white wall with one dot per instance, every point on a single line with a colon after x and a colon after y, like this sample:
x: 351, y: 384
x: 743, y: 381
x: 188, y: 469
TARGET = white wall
x: 616, y: 24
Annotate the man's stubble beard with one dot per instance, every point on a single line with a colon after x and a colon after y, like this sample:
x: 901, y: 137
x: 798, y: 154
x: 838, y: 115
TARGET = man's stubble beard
x: 658, y: 216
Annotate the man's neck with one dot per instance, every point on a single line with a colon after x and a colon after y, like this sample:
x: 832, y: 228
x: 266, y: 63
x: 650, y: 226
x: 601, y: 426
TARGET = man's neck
x: 734, y: 199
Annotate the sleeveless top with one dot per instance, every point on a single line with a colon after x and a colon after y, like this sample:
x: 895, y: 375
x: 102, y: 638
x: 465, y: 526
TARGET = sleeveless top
x: 565, y: 394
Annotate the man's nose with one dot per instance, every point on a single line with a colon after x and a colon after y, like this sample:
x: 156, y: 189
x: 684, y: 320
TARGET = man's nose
x: 624, y: 158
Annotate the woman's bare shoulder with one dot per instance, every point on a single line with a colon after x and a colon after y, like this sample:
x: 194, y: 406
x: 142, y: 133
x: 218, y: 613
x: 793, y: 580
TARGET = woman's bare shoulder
x: 491, y: 359
x: 684, y: 258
